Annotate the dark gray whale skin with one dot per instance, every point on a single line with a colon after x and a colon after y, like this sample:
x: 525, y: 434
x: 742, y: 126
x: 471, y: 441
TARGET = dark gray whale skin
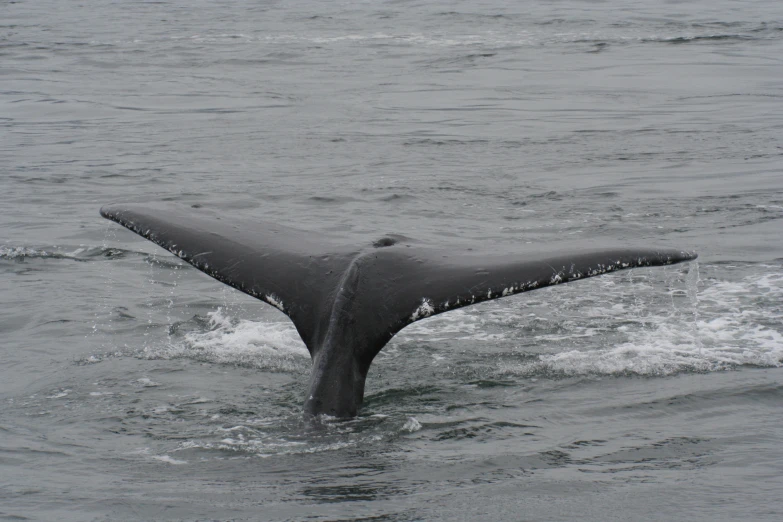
x: 348, y: 301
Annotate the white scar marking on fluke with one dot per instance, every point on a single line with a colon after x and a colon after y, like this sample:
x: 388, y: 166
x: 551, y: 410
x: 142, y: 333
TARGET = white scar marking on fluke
x: 425, y: 309
x: 274, y: 301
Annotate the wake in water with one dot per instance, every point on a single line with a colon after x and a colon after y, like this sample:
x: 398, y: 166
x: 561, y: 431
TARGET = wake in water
x: 616, y: 325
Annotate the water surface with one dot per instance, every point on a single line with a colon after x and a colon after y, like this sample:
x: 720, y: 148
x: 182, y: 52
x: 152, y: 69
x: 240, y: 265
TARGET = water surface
x: 133, y: 387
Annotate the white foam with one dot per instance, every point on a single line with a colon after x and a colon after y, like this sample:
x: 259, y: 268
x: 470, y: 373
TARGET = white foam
x: 263, y: 345
x: 169, y: 460
x: 627, y: 329
x: 262, y: 445
x: 22, y: 252
x: 660, y: 353
x: 713, y: 324
x: 411, y: 425
x: 461, y: 321
x: 727, y: 329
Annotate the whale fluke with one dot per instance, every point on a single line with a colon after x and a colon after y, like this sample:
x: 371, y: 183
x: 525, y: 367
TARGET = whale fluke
x: 348, y: 301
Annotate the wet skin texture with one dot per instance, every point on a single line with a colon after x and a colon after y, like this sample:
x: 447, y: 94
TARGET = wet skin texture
x: 348, y: 301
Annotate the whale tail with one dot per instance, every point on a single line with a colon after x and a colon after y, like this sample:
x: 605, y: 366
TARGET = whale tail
x: 348, y: 301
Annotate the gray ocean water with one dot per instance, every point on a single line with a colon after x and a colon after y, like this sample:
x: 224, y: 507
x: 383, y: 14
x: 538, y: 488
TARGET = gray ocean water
x: 133, y: 387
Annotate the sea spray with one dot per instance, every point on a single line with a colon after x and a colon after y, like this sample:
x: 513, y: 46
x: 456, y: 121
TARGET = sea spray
x: 692, y: 284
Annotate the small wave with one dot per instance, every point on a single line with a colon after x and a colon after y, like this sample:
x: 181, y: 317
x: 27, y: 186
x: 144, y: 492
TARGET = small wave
x: 602, y: 40
x: 406, y: 39
x: 21, y: 253
x: 700, y: 38
x: 169, y: 460
x: 329, y: 200
x: 225, y: 340
x: 265, y: 437
x: 397, y: 198
x: 474, y: 16
x: 428, y: 142
x: 599, y: 47
x: 461, y: 60
x: 263, y: 446
x: 80, y: 254
x: 478, y: 429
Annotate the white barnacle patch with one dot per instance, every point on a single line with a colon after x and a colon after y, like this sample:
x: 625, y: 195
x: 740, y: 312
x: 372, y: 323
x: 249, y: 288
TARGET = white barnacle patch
x: 555, y: 279
x: 507, y: 291
x: 489, y: 294
x: 425, y: 309
x: 274, y: 301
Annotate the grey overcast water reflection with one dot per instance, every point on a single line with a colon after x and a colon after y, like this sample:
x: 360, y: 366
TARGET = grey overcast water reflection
x: 133, y: 387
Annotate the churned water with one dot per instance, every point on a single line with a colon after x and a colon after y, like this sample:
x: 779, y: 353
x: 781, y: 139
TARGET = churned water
x: 133, y: 387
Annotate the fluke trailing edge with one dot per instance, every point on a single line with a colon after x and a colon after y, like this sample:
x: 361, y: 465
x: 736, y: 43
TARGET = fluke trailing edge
x: 348, y: 301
